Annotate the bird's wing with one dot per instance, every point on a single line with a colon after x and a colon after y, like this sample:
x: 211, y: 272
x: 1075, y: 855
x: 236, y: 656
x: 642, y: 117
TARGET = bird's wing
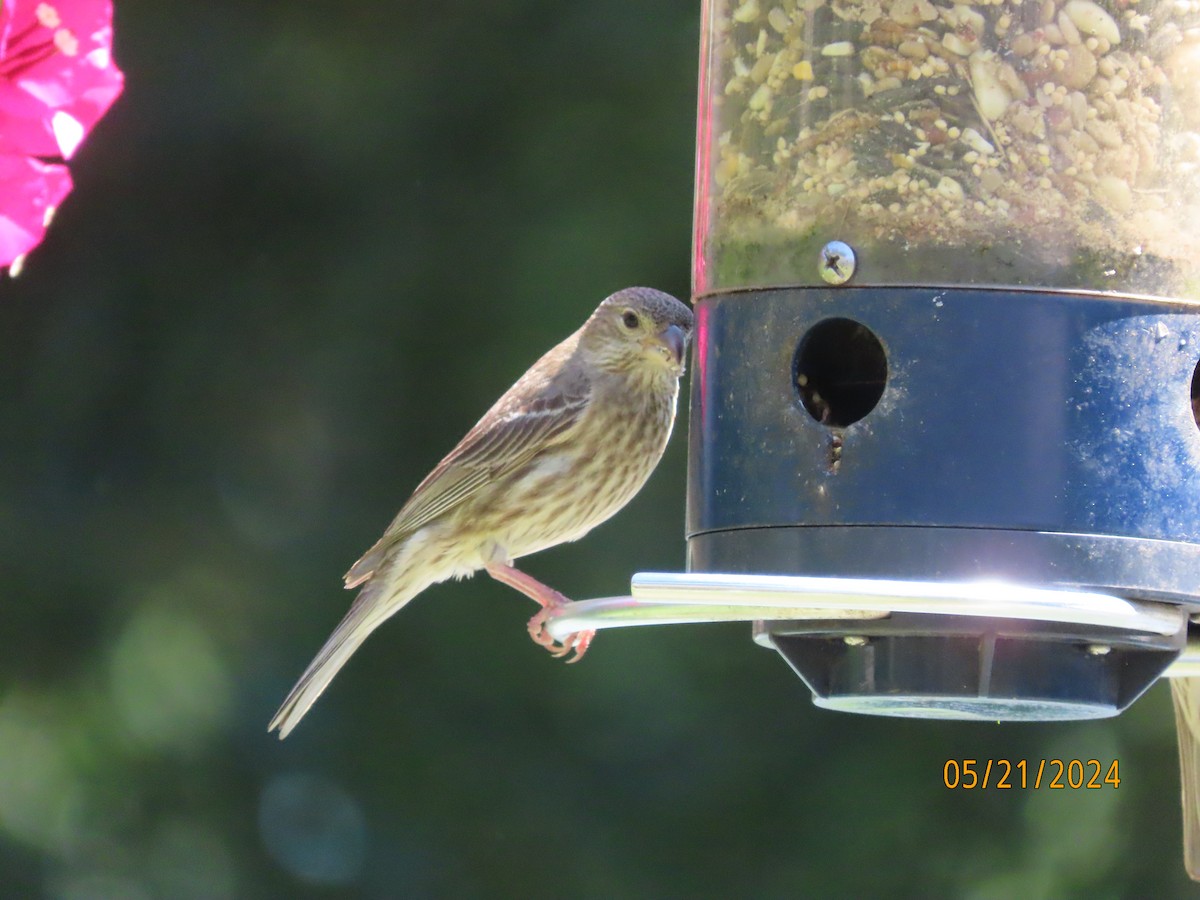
x: 503, y: 440
x: 489, y: 451
x: 1185, y: 692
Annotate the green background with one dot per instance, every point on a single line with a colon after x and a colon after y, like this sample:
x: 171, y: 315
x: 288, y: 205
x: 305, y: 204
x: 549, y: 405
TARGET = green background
x: 307, y: 249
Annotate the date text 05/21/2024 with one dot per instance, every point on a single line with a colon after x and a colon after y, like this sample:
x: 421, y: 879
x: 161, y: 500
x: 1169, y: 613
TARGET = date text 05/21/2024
x: 1023, y: 774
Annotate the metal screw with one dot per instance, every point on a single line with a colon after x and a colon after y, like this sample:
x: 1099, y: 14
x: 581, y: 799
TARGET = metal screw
x: 854, y: 640
x: 837, y: 262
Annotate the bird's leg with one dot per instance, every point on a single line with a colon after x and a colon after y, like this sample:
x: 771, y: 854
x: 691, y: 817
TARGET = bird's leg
x: 543, y: 595
x: 549, y: 600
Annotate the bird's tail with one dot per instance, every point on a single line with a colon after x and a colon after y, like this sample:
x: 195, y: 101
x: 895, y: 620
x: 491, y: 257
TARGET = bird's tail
x: 378, y: 600
x: 1185, y: 692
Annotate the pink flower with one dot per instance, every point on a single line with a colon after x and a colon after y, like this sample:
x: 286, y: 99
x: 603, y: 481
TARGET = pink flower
x: 57, y: 78
x: 30, y: 190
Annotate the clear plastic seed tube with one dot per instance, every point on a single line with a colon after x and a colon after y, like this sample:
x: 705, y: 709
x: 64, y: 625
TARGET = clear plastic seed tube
x: 1017, y: 143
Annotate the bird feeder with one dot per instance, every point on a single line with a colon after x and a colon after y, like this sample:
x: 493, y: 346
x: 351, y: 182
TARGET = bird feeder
x: 946, y: 276
x: 947, y: 287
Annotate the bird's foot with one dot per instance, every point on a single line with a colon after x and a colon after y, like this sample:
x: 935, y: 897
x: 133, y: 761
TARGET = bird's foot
x: 578, y: 641
x: 550, y: 600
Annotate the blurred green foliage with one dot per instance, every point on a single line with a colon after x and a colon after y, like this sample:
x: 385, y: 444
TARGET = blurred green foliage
x: 307, y: 248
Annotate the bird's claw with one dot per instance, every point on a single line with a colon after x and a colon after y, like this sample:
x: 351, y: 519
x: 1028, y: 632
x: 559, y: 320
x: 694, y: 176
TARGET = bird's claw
x: 538, y: 632
x: 579, y: 641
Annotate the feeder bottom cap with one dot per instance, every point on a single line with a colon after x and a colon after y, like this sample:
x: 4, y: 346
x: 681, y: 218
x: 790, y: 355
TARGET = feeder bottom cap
x: 981, y: 709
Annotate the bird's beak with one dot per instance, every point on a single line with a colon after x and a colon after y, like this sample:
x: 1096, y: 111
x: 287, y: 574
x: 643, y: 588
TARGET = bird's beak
x: 674, y: 340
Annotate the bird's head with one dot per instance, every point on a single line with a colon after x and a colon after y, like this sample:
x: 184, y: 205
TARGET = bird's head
x: 639, y: 329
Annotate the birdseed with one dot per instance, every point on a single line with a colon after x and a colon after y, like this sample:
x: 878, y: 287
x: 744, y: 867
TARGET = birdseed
x: 1001, y: 142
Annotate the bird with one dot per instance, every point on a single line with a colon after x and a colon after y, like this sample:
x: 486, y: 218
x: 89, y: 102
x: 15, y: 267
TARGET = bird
x: 561, y: 451
x: 1185, y: 695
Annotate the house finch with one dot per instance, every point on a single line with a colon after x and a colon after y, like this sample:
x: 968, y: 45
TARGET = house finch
x: 566, y: 447
x: 1185, y: 693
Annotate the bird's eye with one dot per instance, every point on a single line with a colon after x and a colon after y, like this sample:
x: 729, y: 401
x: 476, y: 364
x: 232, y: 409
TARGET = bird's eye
x: 630, y: 319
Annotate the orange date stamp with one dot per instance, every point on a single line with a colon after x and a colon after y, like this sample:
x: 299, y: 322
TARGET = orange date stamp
x: 1030, y: 774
